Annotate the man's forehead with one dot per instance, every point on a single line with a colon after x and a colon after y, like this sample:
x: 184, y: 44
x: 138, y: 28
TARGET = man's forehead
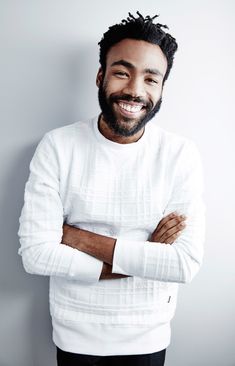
x: 139, y: 54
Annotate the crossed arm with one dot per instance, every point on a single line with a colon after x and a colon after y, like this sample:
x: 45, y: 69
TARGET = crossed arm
x: 102, y: 247
x: 41, y: 230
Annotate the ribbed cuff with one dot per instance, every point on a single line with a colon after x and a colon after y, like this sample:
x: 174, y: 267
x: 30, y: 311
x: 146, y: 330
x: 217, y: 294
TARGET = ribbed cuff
x: 85, y: 268
x: 128, y: 257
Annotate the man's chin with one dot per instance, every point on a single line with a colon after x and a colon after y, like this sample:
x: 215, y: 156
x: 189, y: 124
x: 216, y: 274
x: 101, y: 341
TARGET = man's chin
x: 125, y: 125
x: 127, y: 128
x: 128, y: 123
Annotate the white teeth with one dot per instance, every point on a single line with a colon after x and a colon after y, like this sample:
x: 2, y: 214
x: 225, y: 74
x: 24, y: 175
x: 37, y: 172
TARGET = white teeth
x: 130, y: 108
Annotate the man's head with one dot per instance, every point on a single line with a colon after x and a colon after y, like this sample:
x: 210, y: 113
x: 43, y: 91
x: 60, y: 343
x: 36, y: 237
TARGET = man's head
x: 136, y: 57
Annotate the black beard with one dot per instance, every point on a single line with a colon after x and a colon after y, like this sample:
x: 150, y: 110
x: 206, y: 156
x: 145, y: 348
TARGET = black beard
x: 110, y: 116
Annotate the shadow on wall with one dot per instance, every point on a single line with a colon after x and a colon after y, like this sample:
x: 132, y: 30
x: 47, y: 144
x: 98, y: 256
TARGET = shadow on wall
x: 25, y: 321
x: 56, y: 86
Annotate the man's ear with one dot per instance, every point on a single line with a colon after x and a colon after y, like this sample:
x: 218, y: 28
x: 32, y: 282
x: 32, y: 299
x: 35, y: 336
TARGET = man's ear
x: 99, y: 77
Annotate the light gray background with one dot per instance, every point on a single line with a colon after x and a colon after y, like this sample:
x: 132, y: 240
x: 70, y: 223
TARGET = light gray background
x: 48, y: 64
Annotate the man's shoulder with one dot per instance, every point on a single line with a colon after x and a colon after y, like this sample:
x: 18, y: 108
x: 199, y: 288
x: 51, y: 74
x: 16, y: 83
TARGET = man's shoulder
x: 168, y: 139
x: 69, y: 132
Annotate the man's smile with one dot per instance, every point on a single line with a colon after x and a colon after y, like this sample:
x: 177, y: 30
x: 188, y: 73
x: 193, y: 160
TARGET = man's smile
x: 130, y: 109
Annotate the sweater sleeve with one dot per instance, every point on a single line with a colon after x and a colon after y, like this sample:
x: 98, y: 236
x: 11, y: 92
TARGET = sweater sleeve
x: 41, y: 222
x: 180, y: 261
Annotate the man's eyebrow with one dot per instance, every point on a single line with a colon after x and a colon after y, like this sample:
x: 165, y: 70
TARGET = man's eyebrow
x: 153, y: 72
x: 123, y: 63
x: 131, y: 66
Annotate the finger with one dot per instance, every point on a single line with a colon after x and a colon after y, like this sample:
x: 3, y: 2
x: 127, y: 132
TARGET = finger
x: 166, y: 219
x: 172, y: 231
x: 172, y: 224
x: 159, y: 233
x: 172, y: 238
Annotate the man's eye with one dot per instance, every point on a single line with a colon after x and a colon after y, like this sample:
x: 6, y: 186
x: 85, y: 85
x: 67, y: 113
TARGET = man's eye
x: 121, y: 74
x: 152, y: 81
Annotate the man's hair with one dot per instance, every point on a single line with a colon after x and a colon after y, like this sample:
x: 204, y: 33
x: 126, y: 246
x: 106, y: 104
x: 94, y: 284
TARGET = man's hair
x: 142, y: 29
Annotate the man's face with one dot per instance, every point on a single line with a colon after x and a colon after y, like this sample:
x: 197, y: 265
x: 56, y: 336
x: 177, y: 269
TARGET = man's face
x: 130, y: 91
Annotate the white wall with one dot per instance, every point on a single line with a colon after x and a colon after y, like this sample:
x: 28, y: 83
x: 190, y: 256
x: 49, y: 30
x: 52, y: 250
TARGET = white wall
x: 48, y: 63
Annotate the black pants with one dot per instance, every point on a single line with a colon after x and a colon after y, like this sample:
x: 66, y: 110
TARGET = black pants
x: 74, y: 359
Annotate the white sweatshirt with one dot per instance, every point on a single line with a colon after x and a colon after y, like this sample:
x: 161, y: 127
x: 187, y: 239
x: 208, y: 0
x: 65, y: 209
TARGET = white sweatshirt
x: 79, y: 177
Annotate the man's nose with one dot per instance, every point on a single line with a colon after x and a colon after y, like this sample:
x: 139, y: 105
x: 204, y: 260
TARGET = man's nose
x: 134, y: 87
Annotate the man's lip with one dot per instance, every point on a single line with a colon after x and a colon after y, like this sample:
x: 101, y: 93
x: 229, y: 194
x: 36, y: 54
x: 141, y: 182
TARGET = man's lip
x: 127, y: 113
x: 131, y: 103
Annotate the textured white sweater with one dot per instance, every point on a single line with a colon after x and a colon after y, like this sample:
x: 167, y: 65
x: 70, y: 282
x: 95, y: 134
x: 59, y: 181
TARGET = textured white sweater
x: 79, y: 177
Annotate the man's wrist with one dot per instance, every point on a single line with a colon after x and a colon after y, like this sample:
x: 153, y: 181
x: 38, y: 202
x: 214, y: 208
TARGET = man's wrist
x: 107, y: 274
x: 96, y: 245
x: 71, y: 236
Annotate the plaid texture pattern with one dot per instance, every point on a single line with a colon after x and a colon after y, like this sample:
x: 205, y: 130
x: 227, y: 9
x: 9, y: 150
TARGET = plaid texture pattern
x: 123, y: 191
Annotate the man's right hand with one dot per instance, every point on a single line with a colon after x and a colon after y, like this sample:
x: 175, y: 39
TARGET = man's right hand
x: 169, y: 229
x: 166, y: 232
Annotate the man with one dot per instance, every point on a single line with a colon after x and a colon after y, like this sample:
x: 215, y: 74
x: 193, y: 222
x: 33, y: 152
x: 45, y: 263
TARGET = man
x: 105, y: 209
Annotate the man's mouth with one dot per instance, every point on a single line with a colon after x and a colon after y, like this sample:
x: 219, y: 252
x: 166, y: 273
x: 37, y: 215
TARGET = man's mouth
x: 130, y: 108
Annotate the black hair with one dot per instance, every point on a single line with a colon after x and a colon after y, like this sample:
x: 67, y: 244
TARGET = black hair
x: 140, y: 28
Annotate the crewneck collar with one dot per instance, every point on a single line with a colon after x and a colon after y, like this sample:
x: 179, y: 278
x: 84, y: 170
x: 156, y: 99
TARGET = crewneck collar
x: 115, y: 145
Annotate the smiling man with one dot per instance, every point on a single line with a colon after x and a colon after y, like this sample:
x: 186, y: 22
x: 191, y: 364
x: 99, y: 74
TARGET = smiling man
x: 130, y: 91
x: 113, y: 211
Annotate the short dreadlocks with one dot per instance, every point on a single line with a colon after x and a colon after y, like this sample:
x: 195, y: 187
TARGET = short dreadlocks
x: 140, y: 28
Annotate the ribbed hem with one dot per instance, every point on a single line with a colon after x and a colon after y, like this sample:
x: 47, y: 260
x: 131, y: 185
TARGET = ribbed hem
x: 110, y: 340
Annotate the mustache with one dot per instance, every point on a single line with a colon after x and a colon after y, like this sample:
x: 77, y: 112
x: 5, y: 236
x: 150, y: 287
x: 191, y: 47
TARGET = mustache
x: 129, y: 98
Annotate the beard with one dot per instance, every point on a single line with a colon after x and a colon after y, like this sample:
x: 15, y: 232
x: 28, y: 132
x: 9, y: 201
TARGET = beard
x: 115, y: 122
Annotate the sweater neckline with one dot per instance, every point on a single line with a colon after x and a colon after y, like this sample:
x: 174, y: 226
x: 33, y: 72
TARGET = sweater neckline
x: 115, y: 145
